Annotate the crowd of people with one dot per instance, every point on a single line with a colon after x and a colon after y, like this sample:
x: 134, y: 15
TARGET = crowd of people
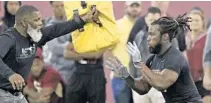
x: 159, y: 59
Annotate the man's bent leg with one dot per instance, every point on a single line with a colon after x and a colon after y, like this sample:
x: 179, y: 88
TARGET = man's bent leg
x: 96, y: 88
x: 75, y: 93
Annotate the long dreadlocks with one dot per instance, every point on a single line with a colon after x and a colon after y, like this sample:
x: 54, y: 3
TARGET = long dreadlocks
x: 172, y: 26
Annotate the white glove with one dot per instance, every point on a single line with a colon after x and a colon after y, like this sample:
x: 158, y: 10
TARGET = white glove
x: 115, y: 65
x: 133, y: 50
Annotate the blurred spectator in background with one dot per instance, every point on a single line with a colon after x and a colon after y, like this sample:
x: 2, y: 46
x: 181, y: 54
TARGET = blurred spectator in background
x: 58, y: 13
x: 162, y: 5
x: 207, y: 61
x: 140, y: 38
x: 198, y: 9
x: 44, y: 85
x: 141, y: 24
x: 54, y: 49
x: 195, y: 44
x: 152, y: 14
x: 10, y: 8
x: 121, y: 92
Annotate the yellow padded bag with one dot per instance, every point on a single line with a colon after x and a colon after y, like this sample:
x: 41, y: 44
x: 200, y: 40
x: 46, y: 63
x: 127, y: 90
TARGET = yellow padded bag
x: 94, y: 38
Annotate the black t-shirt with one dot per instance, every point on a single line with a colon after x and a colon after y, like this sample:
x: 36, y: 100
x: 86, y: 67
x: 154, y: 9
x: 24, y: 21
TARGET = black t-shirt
x: 184, y: 89
x: 17, y: 52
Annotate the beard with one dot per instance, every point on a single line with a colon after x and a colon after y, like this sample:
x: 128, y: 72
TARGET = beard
x: 156, y: 49
x: 35, y: 34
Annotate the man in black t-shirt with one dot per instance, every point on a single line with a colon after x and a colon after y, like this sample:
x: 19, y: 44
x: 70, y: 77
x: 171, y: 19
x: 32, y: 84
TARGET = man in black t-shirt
x: 18, y: 46
x: 167, y: 70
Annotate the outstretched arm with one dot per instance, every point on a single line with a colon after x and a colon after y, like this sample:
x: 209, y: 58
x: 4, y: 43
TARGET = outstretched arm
x: 60, y: 29
x: 57, y: 30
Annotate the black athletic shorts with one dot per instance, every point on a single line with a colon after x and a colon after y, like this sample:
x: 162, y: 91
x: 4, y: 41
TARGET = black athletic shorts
x: 86, y: 84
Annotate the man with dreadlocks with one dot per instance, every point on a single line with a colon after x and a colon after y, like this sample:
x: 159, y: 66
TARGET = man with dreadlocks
x: 167, y: 70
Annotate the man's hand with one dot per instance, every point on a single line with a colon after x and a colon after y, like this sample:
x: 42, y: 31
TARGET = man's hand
x: 135, y: 53
x: 17, y: 81
x: 207, y: 82
x: 115, y: 65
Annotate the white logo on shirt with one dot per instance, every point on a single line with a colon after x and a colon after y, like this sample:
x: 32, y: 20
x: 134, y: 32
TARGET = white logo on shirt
x: 27, y: 52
